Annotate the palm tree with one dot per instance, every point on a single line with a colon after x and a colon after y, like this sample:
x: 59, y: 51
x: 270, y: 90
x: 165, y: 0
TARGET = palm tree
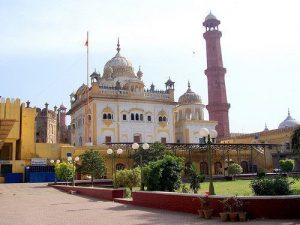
x: 296, y: 141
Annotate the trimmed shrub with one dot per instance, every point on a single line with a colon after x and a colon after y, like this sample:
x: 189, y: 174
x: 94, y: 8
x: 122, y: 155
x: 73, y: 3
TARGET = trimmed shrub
x: 128, y: 178
x: 64, y: 171
x: 278, y: 185
x: 234, y: 169
x: 164, y: 174
x: 287, y: 165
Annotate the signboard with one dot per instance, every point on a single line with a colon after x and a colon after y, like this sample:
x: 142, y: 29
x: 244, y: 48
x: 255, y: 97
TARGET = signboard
x: 39, y: 162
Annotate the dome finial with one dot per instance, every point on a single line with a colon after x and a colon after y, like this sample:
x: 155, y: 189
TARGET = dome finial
x: 289, y: 114
x: 118, y: 46
x: 189, y: 85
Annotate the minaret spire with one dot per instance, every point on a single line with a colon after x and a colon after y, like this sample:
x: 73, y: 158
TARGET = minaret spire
x: 118, y: 46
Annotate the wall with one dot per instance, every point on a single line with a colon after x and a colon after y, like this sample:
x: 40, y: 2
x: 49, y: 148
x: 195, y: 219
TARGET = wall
x: 256, y: 206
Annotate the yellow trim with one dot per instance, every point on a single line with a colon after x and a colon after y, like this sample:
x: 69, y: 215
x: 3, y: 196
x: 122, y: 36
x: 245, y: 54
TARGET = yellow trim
x: 94, y: 124
x: 187, y: 135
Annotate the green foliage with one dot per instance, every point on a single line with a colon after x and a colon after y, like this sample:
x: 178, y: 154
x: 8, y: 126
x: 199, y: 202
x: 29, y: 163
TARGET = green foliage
x: 235, y: 169
x: 128, y: 178
x: 195, y: 179
x: 92, y: 164
x: 164, y: 174
x: 185, y: 188
x: 287, y: 165
x: 64, y: 171
x: 261, y: 174
x: 155, y: 152
x: 278, y: 185
x: 296, y: 141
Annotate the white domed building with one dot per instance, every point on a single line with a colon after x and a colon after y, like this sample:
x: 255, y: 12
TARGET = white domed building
x: 288, y: 122
x: 189, y: 118
x: 122, y: 109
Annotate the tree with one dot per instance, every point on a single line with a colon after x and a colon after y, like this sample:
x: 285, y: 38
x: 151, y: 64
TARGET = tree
x: 128, y: 178
x: 287, y: 165
x: 155, y: 152
x: 234, y: 169
x: 64, y: 171
x: 296, y: 141
x: 92, y: 164
x: 164, y: 174
x: 195, y: 178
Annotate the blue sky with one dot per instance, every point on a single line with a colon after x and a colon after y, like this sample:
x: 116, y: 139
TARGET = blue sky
x: 42, y: 53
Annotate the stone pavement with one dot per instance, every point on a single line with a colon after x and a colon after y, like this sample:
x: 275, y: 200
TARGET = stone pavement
x: 38, y: 204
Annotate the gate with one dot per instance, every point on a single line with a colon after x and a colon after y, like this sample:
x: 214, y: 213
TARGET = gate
x: 35, y: 174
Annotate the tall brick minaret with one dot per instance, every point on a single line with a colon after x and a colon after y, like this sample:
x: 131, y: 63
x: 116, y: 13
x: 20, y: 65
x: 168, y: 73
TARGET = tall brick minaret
x: 217, y: 101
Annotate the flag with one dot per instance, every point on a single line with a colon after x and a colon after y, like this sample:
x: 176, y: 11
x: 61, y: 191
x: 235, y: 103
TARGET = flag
x: 87, y: 39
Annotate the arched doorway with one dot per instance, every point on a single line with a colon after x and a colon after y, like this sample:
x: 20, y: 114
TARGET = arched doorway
x: 218, y: 168
x: 120, y: 166
x: 244, y: 165
x: 204, y: 168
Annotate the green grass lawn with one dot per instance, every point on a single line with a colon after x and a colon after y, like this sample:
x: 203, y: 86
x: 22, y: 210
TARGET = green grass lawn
x: 239, y: 187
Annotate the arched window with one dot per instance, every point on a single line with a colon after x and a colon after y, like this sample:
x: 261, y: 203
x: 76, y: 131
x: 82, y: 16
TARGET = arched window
x: 218, y: 168
x: 203, y: 168
x: 160, y: 119
x: 136, y: 116
x: 109, y: 116
x: 104, y: 116
x: 244, y: 165
x: 120, y: 166
x: 164, y: 118
x: 132, y: 116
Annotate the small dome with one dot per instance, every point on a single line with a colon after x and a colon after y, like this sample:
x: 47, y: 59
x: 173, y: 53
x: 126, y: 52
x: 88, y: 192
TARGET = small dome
x: 189, y: 97
x: 210, y: 16
x: 289, y: 122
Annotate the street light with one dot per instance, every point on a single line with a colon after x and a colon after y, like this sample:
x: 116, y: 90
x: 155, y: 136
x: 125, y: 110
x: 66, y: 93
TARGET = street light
x: 56, y: 162
x: 73, y: 161
x: 145, y: 146
x: 114, y: 155
x: 209, y: 138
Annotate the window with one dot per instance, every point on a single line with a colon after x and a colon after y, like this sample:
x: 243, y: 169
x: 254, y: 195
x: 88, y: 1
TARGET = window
x: 124, y: 117
x: 141, y: 117
x: 160, y: 119
x: 132, y: 116
x: 104, y: 116
x: 137, y: 139
x: 90, y: 118
x: 107, y: 139
x: 136, y: 116
x: 178, y: 141
x: 109, y: 116
x: 163, y: 140
x: 164, y: 118
x: 149, y: 118
x: 202, y: 140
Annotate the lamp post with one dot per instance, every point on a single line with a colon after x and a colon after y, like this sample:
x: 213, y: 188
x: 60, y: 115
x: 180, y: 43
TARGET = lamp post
x: 145, y: 146
x: 209, y: 138
x: 73, y: 161
x: 56, y: 162
x: 114, y: 155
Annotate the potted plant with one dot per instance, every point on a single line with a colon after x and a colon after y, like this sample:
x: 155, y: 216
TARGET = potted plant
x: 205, y: 202
x: 240, y: 209
x: 226, y: 209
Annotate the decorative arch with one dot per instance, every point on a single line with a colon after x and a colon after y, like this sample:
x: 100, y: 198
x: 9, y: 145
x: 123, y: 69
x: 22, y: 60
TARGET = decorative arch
x: 120, y: 166
x: 244, y: 165
x: 218, y: 168
x: 204, y: 168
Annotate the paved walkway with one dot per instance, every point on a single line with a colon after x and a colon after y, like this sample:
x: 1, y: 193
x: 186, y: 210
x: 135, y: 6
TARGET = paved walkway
x: 38, y: 204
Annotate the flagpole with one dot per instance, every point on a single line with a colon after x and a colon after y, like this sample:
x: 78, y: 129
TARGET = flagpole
x: 87, y: 110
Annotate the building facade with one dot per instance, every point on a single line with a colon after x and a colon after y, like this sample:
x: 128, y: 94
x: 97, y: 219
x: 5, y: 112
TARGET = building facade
x: 124, y: 110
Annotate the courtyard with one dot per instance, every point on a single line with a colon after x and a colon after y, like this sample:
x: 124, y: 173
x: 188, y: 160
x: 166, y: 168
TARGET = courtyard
x: 38, y: 204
